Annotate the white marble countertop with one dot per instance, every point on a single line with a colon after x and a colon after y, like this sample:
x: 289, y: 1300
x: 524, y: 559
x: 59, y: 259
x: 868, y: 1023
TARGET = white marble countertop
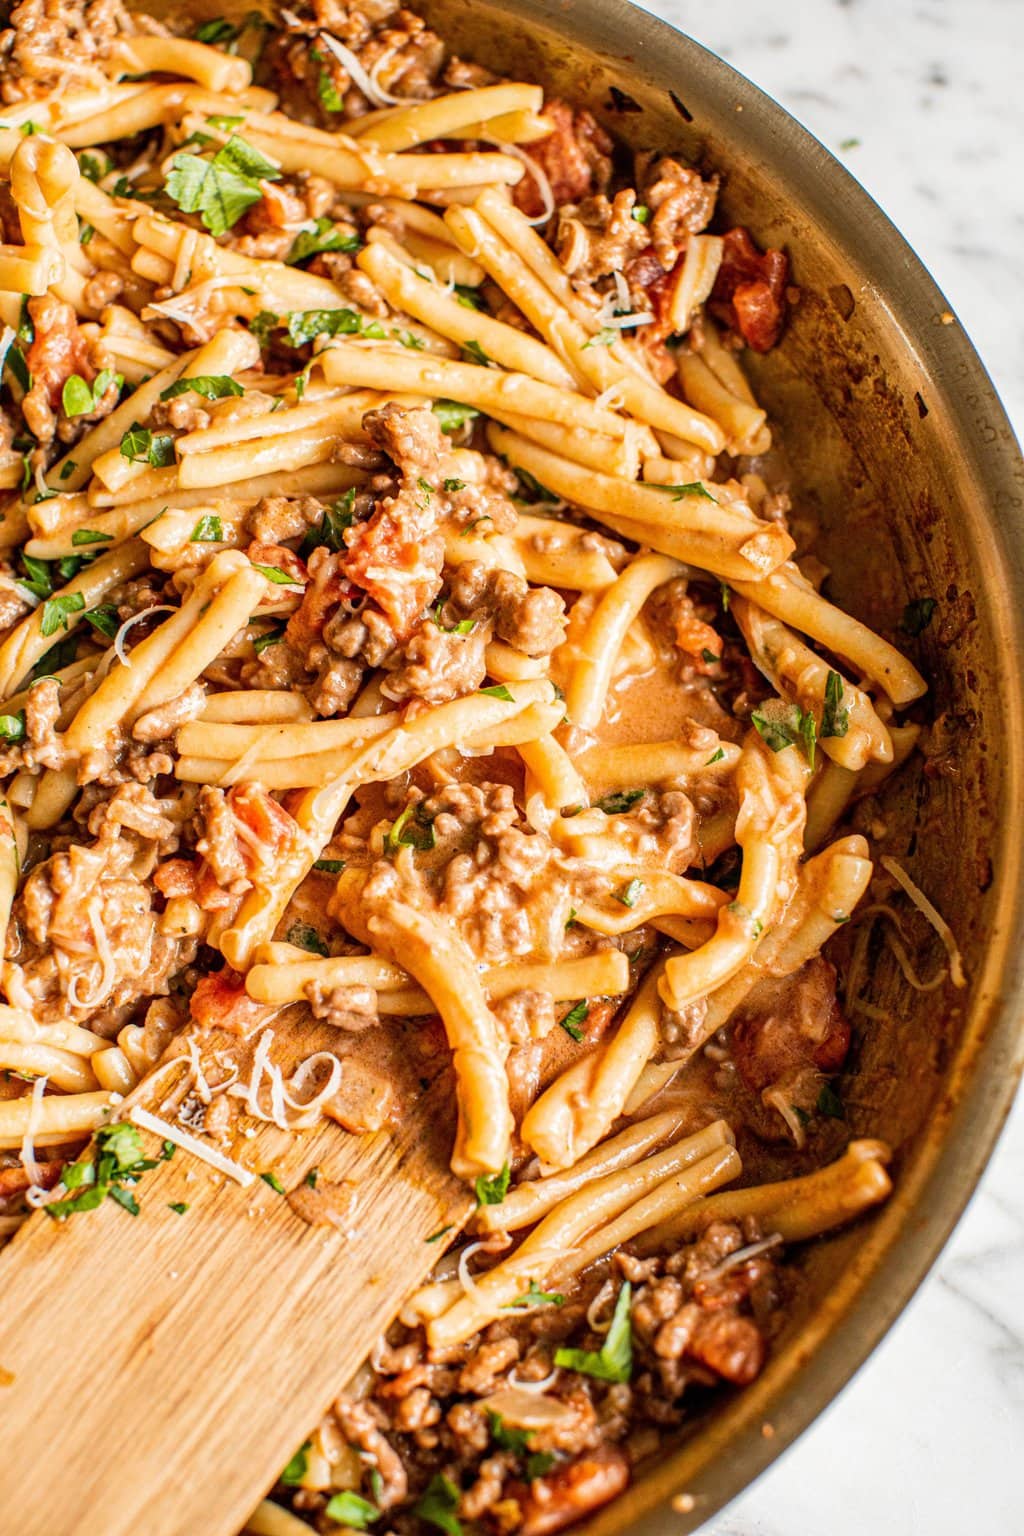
x: 921, y: 99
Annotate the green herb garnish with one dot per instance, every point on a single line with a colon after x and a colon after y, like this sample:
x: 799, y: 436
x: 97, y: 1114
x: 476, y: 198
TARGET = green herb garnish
x: 785, y: 726
x: 452, y: 415
x: 208, y: 530
x: 614, y: 1360
x: 211, y: 386
x: 621, y: 800
x: 492, y: 1188
x: 350, y: 1509
x: 576, y: 1015
x: 220, y: 189
x: 56, y: 611
x: 629, y: 894
x: 835, y: 717
x: 438, y: 1505
x: 79, y: 398
x: 917, y: 615
x: 296, y: 1469
x: 305, y: 937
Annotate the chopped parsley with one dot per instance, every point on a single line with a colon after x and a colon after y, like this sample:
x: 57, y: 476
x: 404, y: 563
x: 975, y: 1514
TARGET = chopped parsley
x: 451, y: 415
x: 329, y: 532
x: 328, y: 95
x: 439, y: 1503
x: 830, y: 1104
x: 105, y: 618
x: 56, y: 611
x: 179, y: 1207
x: 221, y: 189
x: 435, y: 1237
x: 498, y: 691
x: 917, y: 615
x: 216, y: 32
x: 280, y: 578
x: 492, y: 1188
x: 463, y: 627
x: 410, y: 830
x: 296, y: 1469
x: 325, y: 236
x: 141, y: 446
x: 269, y: 637
x: 622, y: 800
x: 67, y: 470
x: 114, y: 1162
x: 278, y: 1188
x: 607, y: 336
x: 629, y: 894
x: 473, y: 352
x: 212, y: 386
x: 208, y: 530
x: 37, y: 579
x: 468, y: 297
x: 89, y: 536
x: 351, y: 1509
x: 709, y: 657
x: 784, y: 725
x: 305, y: 325
x: 311, y: 1178
x: 614, y: 1360
x: 716, y: 757
x: 451, y: 486
x: 835, y: 717
x: 576, y: 1016
x: 305, y: 937
x: 535, y: 1297
x: 329, y: 866
x: 78, y: 398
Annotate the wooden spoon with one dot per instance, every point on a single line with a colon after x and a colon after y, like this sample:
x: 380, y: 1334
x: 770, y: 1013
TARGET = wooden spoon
x: 158, y: 1372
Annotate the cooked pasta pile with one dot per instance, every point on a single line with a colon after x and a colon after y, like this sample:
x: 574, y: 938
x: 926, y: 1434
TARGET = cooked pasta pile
x: 402, y: 621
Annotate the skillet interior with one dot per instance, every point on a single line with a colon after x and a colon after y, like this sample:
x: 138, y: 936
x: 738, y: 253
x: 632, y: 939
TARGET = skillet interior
x: 900, y: 448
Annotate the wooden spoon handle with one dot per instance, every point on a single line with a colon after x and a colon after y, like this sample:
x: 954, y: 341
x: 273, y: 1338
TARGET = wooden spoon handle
x: 161, y: 1370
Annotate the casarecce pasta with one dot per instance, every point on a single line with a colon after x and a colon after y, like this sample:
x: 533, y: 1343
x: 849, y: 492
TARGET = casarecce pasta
x: 401, y: 621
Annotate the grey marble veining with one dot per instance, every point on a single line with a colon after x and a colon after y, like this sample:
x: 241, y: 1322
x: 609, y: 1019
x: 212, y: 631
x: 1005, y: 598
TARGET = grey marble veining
x: 922, y: 100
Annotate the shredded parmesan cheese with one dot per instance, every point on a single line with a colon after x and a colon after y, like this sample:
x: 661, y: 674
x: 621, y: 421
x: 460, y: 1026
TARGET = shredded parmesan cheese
x: 358, y: 75
x: 189, y: 1143
x: 119, y: 650
x: 929, y: 913
x: 28, y: 1145
x: 532, y: 1386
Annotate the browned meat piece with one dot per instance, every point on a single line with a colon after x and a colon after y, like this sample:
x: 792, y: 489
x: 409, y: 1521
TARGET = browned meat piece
x: 438, y: 664
x: 396, y: 555
x: 161, y: 723
x: 530, y: 618
x: 58, y: 351
x: 600, y: 237
x: 750, y: 290
x: 575, y: 157
x: 360, y: 1424
x: 395, y: 47
x: 565, y: 1495
x: 788, y: 1025
x: 83, y: 934
x: 681, y: 204
x: 50, y: 40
